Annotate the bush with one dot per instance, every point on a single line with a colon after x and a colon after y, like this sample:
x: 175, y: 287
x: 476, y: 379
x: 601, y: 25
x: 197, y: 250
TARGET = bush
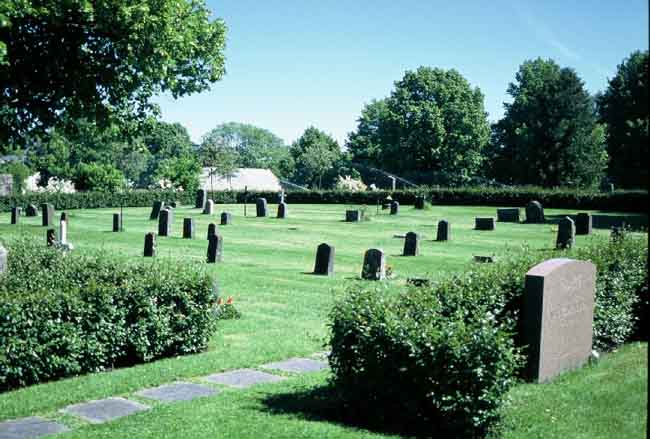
x: 67, y: 314
x: 98, y: 177
x: 443, y: 356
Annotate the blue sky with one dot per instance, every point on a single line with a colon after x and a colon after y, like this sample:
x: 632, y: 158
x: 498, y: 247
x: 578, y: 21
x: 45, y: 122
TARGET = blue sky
x: 292, y: 63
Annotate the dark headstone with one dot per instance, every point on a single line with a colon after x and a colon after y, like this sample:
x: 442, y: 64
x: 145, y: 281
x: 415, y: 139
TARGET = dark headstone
x: 105, y: 409
x: 117, y: 222
x: 444, y: 231
x: 483, y: 259
x: 394, y: 208
x: 50, y: 237
x: 150, y: 244
x: 352, y: 216
x: 3, y: 259
x: 324, y: 260
x: 215, y: 248
x: 411, y: 244
x: 282, y: 210
x: 534, y: 212
x: 583, y: 224
x: 201, y: 198
x: 155, y: 209
x: 419, y: 202
x: 484, y: 224
x: 164, y: 223
x: 226, y: 219
x: 558, y: 316
x: 242, y: 378
x: 374, y: 265
x: 208, y: 209
x: 566, y: 233
x: 296, y: 365
x: 212, y: 230
x: 15, y: 214
x: 188, y: 228
x: 31, y: 210
x: 509, y: 215
x: 47, y: 210
x: 260, y: 207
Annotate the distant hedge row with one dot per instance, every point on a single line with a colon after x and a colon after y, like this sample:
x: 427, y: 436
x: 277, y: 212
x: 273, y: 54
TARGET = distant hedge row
x: 621, y: 201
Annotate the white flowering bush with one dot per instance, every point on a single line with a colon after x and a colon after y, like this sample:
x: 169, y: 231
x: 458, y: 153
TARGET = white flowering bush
x: 348, y: 183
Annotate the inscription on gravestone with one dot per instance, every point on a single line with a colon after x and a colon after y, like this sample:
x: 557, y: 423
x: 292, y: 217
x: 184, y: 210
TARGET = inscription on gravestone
x: 444, y: 231
x: 188, y: 228
x: 558, y: 316
x: 584, y: 224
x: 215, y: 248
x: 150, y: 244
x: 411, y: 244
x: 566, y: 233
x: 374, y: 265
x: 260, y: 207
x: 324, y: 260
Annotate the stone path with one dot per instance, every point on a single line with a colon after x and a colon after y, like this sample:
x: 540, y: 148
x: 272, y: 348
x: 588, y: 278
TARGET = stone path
x: 107, y: 409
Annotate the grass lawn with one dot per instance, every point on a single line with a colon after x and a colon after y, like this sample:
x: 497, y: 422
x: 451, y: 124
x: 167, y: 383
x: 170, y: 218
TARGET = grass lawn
x: 266, y: 268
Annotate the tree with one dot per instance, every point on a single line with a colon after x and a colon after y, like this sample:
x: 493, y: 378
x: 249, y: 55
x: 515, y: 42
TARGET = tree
x: 102, y: 60
x: 166, y: 140
x: 624, y: 108
x: 220, y: 158
x: 181, y: 172
x: 98, y: 177
x: 549, y: 134
x: 432, y: 128
x: 314, y: 153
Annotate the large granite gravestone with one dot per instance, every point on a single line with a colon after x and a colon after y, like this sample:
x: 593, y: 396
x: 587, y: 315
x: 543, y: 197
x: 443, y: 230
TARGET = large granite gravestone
x: 444, y: 231
x: 584, y: 224
x: 352, y: 216
x: 150, y: 244
x: 226, y: 218
x: 296, y: 365
x: 282, y: 210
x: 3, y: 259
x: 394, y: 208
x: 165, y: 223
x: 209, y: 207
x: 15, y: 214
x: 105, y: 409
x: 117, y: 222
x: 215, y: 248
x: 411, y: 244
x: 534, y: 212
x: 419, y: 202
x: 324, y: 260
x: 177, y: 392
x: 155, y: 209
x: 484, y: 223
x: 201, y: 198
x: 260, y: 207
x: 50, y: 237
x: 47, y: 210
x: 212, y: 230
x: 242, y: 378
x: 508, y: 215
x: 31, y: 210
x: 558, y: 306
x: 374, y: 265
x: 30, y: 428
x: 566, y: 233
x: 188, y: 228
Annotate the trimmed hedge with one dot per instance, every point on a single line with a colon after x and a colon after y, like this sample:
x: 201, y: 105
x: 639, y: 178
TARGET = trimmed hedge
x: 443, y: 356
x: 68, y: 314
x: 621, y: 201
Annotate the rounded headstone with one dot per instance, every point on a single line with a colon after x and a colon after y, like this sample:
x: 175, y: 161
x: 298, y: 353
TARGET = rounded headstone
x: 374, y: 265
x: 534, y: 212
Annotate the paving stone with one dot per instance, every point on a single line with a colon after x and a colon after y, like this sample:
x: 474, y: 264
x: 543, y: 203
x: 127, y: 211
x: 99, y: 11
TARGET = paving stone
x: 105, y: 409
x: 32, y: 427
x: 243, y: 378
x: 297, y: 365
x: 177, y: 392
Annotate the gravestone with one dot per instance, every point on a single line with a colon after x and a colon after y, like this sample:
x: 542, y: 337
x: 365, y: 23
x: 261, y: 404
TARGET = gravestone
x: 444, y: 231
x: 201, y: 198
x: 15, y: 214
x: 394, y: 208
x: 65, y: 217
x: 282, y: 210
x: 155, y: 209
x: 50, y: 237
x: 150, y: 244
x: 483, y: 259
x: 534, y: 212
x: 566, y: 233
x: 209, y: 208
x: 188, y: 228
x: 352, y: 216
x: 215, y: 248
x: 3, y: 259
x: 419, y: 202
x: 484, y: 223
x: 117, y: 222
x: 212, y: 230
x: 509, y: 215
x: 260, y: 207
x: 47, y: 210
x: 63, y: 232
x: 411, y: 244
x: 324, y: 260
x: 164, y: 223
x: 31, y: 210
x: 584, y: 224
x: 558, y: 307
x: 226, y: 219
x: 374, y: 265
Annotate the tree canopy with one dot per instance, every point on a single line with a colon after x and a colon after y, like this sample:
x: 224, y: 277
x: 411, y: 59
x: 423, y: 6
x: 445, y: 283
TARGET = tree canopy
x: 314, y: 153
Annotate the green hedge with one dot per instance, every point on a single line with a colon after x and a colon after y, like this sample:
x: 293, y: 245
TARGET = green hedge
x: 443, y: 356
x: 68, y: 314
x: 622, y: 201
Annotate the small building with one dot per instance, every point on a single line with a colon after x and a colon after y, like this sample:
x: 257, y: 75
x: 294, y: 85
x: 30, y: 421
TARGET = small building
x: 254, y: 179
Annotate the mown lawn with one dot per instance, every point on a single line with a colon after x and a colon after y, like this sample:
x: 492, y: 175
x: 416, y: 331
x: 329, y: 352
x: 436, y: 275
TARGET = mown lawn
x: 266, y: 269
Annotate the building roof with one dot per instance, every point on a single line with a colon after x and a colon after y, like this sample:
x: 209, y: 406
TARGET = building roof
x: 253, y: 178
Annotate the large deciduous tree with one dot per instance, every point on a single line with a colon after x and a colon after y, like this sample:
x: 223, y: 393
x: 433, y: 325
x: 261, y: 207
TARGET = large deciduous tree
x: 432, y: 128
x: 314, y: 154
x: 549, y: 134
x: 624, y: 108
x: 102, y: 60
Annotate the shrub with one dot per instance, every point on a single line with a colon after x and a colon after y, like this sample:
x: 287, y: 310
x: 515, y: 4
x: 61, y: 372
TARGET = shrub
x: 66, y: 314
x: 98, y: 177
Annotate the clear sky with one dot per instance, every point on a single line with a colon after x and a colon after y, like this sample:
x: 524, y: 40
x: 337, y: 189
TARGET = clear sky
x: 295, y: 63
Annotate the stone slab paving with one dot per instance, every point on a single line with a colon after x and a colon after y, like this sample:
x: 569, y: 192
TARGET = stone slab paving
x: 296, y: 365
x: 105, y: 409
x: 243, y: 378
x: 27, y: 428
x: 177, y: 392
